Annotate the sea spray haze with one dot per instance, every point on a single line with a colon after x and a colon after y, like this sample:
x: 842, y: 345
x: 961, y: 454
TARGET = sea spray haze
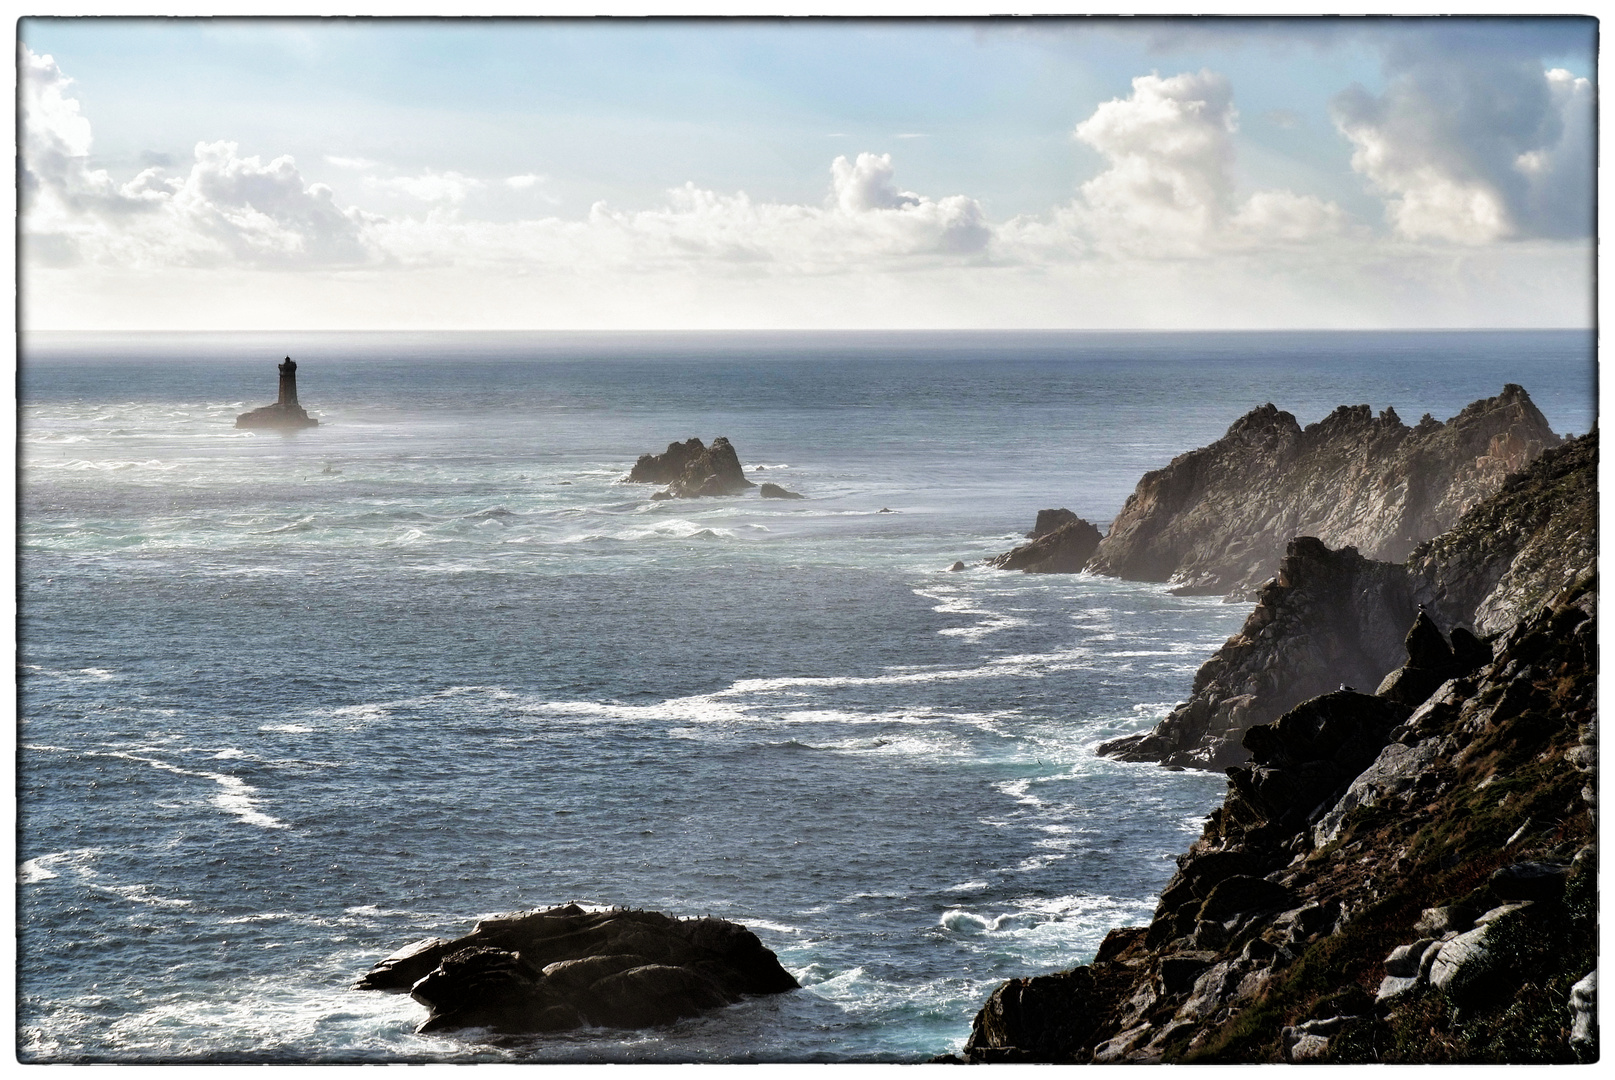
x: 289, y: 702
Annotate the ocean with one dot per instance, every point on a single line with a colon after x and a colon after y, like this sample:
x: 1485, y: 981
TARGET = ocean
x: 289, y: 702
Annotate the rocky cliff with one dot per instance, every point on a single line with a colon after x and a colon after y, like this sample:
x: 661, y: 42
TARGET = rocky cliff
x: 1329, y: 618
x: 1384, y: 882
x: 1217, y: 520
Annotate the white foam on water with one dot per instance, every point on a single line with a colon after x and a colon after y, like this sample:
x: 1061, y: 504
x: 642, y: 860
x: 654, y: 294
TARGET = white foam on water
x: 287, y: 729
x: 236, y: 799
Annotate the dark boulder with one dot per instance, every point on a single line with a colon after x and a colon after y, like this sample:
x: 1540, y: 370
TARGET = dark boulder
x: 553, y: 970
x: 665, y: 468
x: 1049, y: 520
x: 774, y: 491
x: 1063, y: 550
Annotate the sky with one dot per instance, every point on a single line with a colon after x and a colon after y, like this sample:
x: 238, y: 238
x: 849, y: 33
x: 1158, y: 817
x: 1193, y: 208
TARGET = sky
x: 209, y: 174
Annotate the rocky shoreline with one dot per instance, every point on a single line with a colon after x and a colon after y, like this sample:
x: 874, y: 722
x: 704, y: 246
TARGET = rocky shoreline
x: 1404, y: 868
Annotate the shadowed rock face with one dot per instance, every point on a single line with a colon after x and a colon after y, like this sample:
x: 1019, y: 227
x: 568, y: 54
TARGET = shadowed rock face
x: 1064, y: 547
x: 1333, y: 617
x: 692, y: 470
x: 1217, y: 519
x: 1384, y: 882
x: 562, y: 968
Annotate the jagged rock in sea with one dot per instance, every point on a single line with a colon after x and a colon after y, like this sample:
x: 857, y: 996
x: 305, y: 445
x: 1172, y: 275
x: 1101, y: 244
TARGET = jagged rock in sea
x: 1382, y: 883
x: 1334, y: 617
x: 1049, y: 520
x: 553, y: 970
x: 1063, y: 544
x: 774, y: 491
x: 1216, y: 520
x: 692, y: 470
x: 285, y: 412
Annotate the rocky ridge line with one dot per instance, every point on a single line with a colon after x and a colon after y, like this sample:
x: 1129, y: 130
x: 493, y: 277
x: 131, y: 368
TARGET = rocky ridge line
x: 1217, y: 519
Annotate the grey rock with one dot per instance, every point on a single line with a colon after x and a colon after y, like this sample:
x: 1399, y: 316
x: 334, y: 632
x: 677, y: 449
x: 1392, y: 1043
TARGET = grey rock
x: 1584, y: 1016
x: 774, y: 491
x: 1062, y: 550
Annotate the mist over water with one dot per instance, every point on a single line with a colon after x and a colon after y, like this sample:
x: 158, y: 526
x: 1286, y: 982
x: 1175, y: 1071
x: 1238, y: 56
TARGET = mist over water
x: 290, y: 702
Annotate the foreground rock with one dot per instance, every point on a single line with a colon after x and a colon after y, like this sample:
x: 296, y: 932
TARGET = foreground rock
x: 285, y: 413
x: 1334, y: 617
x: 692, y: 470
x: 1217, y: 520
x: 1384, y: 882
x: 1062, y: 544
x: 544, y: 971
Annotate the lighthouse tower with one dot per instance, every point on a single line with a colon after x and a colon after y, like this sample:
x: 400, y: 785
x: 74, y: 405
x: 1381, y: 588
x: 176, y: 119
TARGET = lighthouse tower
x: 285, y: 413
x: 288, y: 384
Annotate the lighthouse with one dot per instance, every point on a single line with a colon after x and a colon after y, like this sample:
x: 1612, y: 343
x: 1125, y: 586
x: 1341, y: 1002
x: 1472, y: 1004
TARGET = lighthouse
x: 285, y: 413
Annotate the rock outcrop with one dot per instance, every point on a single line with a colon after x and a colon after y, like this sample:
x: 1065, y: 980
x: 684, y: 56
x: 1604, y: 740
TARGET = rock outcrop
x: 1062, y: 543
x: 532, y: 972
x: 1384, y: 882
x: 692, y: 470
x: 285, y: 413
x: 1334, y: 617
x: 1217, y: 520
x: 774, y: 491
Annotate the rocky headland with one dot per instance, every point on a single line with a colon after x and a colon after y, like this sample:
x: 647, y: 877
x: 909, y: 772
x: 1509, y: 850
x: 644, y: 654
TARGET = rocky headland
x: 1217, y: 520
x: 1333, y: 617
x: 533, y: 972
x: 692, y: 470
x: 1404, y: 868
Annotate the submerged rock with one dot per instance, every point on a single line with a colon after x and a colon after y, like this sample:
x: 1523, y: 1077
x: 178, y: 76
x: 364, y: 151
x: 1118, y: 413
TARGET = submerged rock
x: 285, y: 412
x: 543, y: 971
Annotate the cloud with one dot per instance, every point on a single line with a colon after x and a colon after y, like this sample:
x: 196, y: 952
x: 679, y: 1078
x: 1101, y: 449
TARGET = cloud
x: 226, y: 209
x: 1475, y: 148
x: 865, y: 221
x: 521, y: 183
x: 1168, y: 185
x: 434, y: 187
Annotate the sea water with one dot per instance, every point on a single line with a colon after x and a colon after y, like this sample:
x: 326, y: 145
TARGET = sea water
x: 288, y: 702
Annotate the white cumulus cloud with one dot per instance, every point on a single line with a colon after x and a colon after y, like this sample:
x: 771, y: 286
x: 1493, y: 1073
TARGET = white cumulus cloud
x: 226, y: 209
x: 1168, y: 186
x: 1475, y: 153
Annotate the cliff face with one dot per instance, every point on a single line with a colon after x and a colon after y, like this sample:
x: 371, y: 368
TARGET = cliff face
x: 1334, y: 617
x: 1326, y: 619
x: 1383, y: 883
x: 1217, y: 519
